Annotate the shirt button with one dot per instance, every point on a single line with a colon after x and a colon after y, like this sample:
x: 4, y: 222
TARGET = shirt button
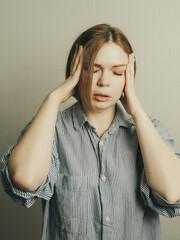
x: 107, y: 218
x: 103, y: 178
x: 101, y: 143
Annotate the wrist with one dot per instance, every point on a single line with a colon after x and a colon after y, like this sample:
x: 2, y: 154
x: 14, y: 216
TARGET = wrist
x: 54, y: 98
x: 138, y: 112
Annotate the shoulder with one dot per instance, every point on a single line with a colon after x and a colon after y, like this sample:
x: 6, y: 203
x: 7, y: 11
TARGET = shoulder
x: 159, y: 125
x: 65, y: 116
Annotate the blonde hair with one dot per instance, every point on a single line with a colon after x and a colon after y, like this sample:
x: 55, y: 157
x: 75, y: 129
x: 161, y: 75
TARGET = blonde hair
x: 92, y: 40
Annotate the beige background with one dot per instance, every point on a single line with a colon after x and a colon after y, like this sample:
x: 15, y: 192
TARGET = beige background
x: 36, y: 37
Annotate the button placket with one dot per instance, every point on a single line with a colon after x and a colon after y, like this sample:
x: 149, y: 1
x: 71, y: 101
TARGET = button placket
x: 104, y: 185
x: 102, y: 177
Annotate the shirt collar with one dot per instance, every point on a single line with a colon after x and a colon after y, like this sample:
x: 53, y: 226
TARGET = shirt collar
x: 122, y: 118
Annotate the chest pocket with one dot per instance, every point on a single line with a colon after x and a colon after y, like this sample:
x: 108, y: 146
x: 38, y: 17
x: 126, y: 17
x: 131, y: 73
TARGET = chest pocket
x: 71, y: 204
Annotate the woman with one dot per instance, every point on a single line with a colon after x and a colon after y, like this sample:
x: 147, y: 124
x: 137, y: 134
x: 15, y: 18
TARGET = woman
x: 103, y: 168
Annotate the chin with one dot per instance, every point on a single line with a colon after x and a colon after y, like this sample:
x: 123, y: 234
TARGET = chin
x: 104, y: 105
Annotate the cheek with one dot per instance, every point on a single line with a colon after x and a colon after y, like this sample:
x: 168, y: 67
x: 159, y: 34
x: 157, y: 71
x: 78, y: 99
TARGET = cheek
x: 120, y: 83
x: 95, y: 77
x: 119, y: 86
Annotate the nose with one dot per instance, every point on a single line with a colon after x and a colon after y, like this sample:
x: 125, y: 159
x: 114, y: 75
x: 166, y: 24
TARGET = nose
x: 103, y: 80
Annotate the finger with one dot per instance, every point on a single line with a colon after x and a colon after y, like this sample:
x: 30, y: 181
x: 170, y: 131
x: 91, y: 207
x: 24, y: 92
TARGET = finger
x: 132, y: 66
x: 77, y: 59
x: 79, y: 67
x: 132, y: 61
x: 73, y: 59
x: 127, y: 72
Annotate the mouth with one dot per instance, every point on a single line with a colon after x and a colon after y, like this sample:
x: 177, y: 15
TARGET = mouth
x: 101, y: 97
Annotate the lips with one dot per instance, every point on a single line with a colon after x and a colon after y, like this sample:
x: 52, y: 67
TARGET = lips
x: 101, y: 94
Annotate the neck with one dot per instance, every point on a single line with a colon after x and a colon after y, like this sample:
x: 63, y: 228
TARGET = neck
x: 101, y: 120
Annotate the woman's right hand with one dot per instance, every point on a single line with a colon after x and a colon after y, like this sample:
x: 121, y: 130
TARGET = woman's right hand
x: 66, y: 89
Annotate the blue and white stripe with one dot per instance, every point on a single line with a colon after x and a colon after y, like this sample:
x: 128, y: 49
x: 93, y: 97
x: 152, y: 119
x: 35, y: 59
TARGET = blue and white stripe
x: 96, y: 187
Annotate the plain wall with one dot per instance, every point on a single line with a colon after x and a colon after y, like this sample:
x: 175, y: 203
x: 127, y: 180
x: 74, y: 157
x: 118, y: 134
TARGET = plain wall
x: 36, y: 37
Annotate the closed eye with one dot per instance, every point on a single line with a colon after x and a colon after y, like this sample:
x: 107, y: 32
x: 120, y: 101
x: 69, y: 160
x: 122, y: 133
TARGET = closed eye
x: 119, y: 74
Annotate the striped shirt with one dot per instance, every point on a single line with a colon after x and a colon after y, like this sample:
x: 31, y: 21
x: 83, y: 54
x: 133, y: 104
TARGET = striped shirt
x: 96, y: 188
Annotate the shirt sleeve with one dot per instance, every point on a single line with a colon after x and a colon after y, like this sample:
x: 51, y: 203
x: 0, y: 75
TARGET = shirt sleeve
x: 149, y: 196
x: 45, y: 191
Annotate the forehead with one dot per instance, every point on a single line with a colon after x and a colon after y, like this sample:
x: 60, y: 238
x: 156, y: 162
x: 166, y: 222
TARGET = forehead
x: 111, y: 54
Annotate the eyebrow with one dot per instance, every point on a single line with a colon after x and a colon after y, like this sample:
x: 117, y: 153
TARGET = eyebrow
x: 119, y: 65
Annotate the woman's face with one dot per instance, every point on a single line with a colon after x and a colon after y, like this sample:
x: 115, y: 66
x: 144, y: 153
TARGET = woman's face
x: 108, y: 78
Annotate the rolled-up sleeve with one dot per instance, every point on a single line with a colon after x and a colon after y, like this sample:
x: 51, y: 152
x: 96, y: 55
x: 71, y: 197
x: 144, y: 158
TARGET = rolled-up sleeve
x: 44, y: 191
x: 149, y: 196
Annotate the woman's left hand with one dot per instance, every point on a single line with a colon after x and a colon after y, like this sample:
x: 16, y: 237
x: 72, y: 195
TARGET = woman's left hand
x: 129, y: 100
